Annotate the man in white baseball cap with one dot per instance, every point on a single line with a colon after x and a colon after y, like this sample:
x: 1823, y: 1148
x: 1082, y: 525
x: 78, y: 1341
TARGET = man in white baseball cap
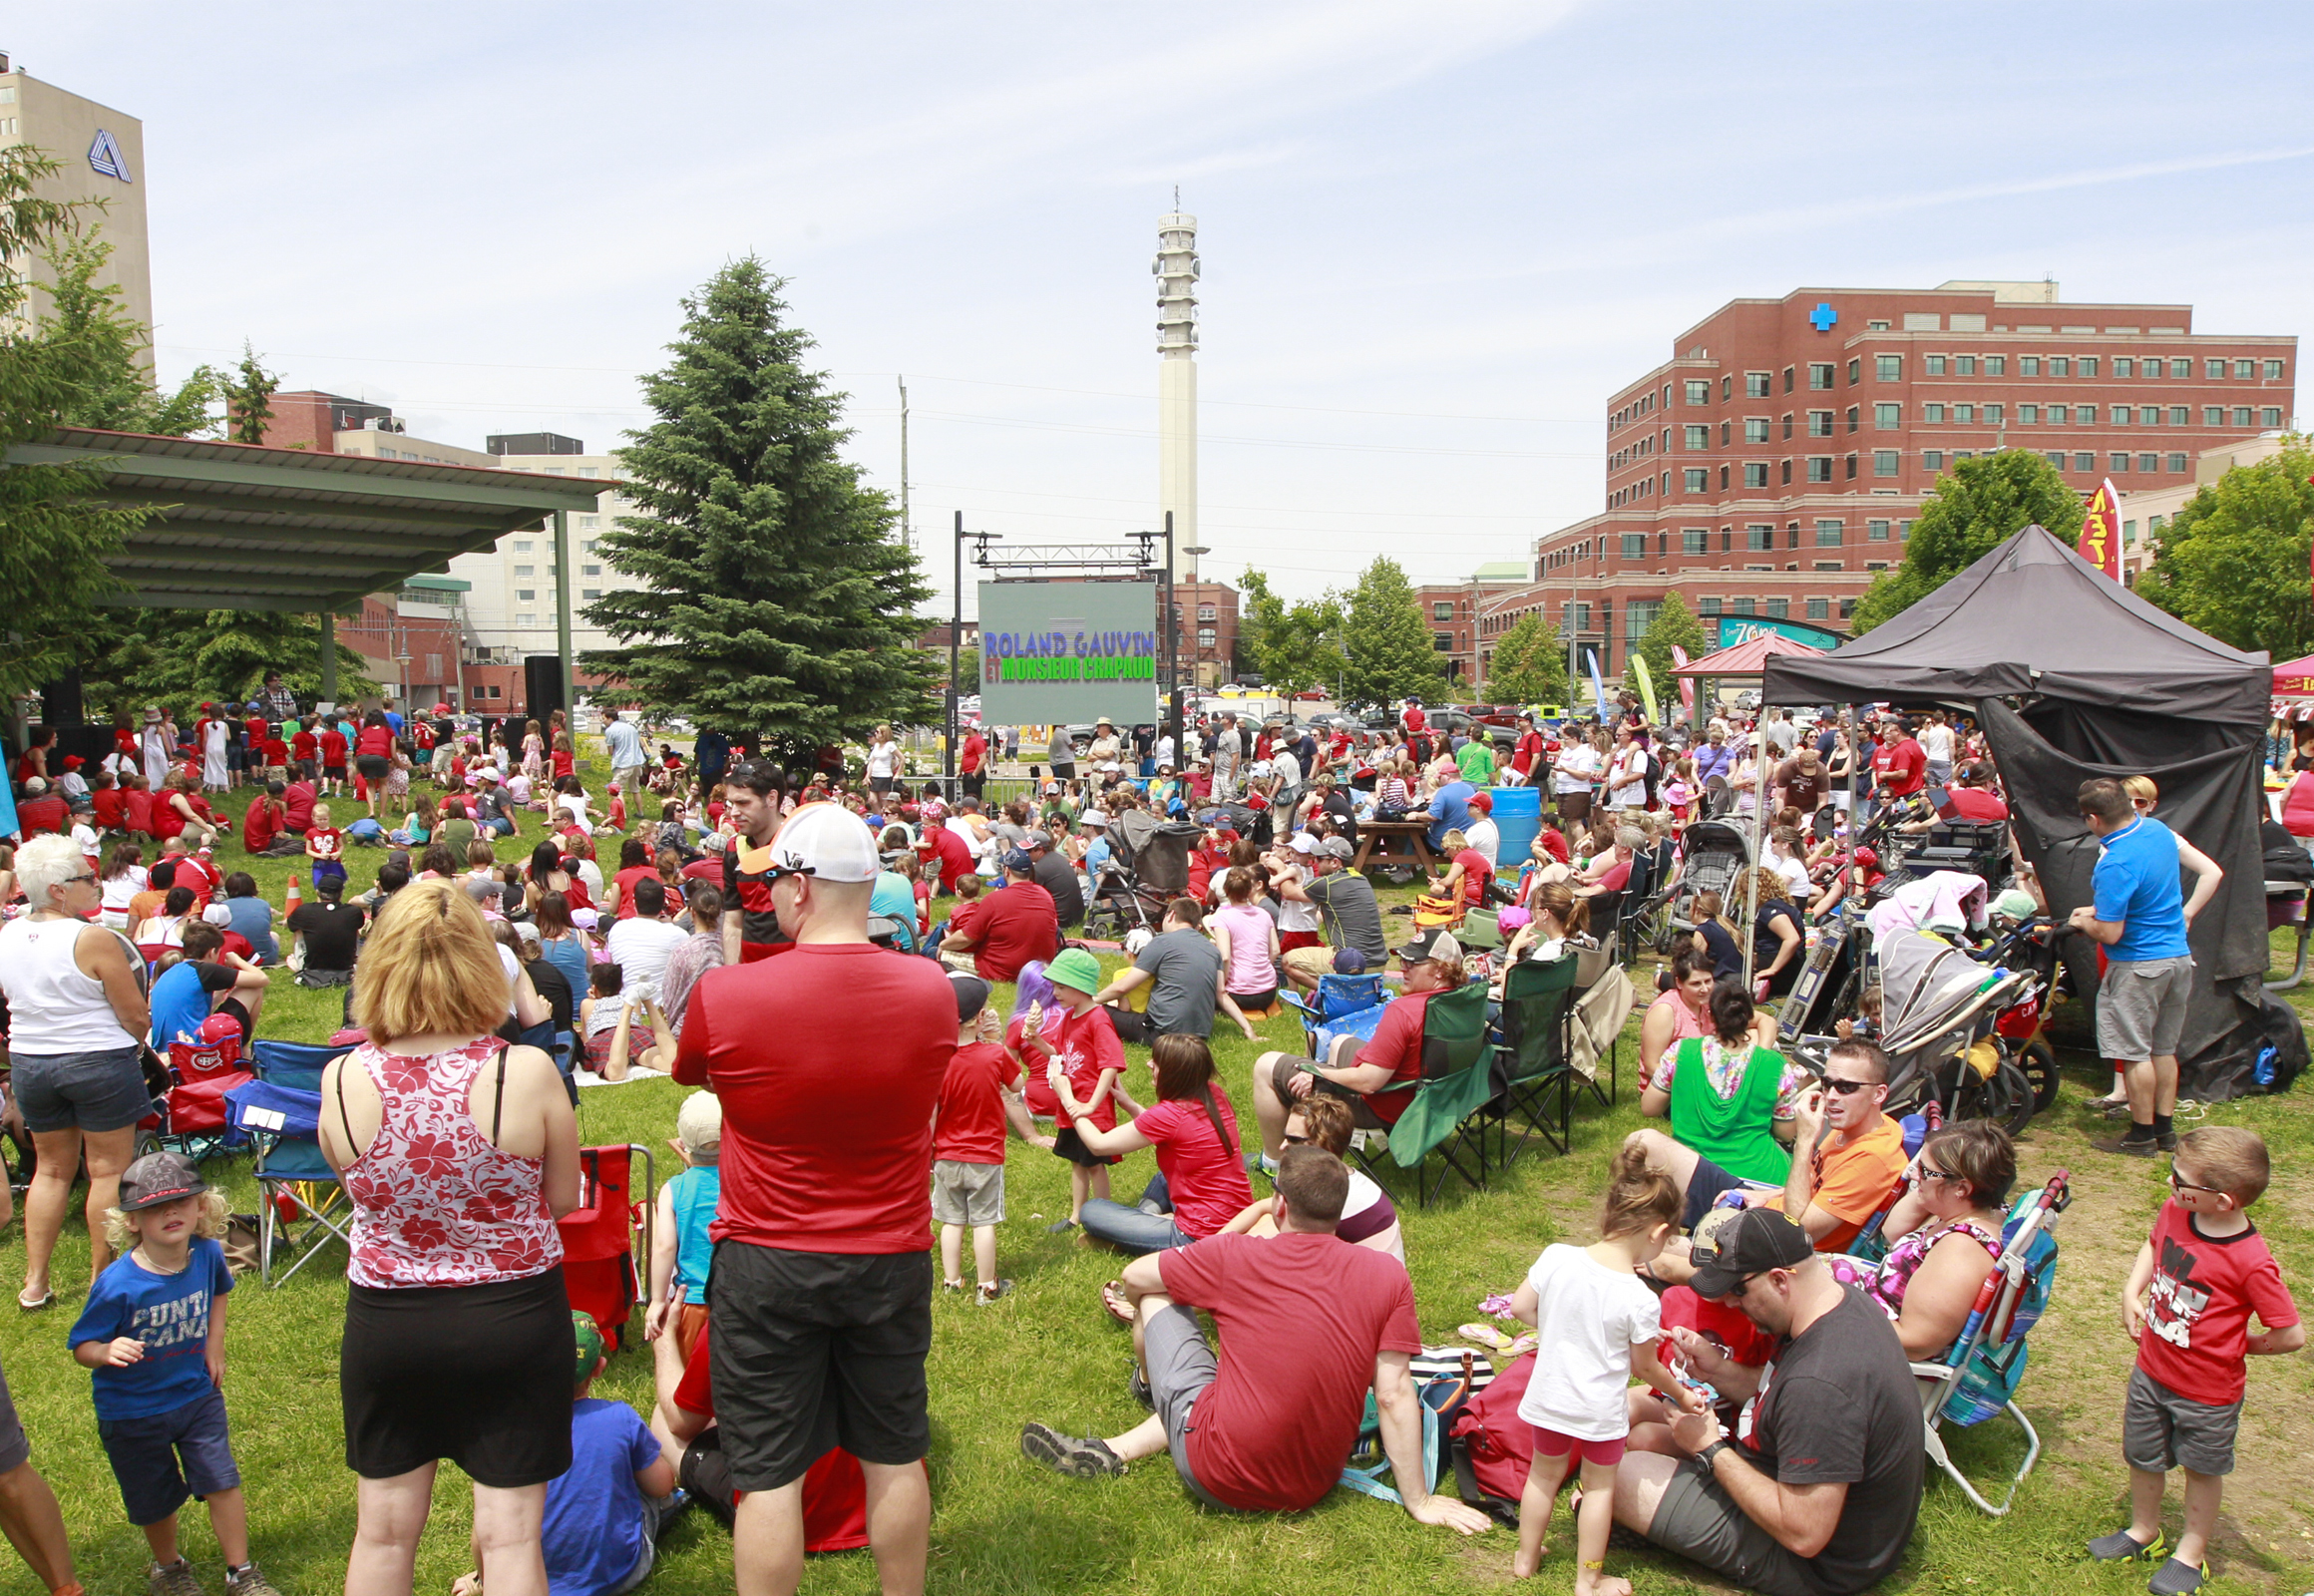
x: 822, y: 1314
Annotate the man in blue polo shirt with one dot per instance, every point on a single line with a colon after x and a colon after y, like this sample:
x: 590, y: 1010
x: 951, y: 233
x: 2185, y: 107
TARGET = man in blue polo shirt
x: 1449, y: 809
x: 2140, y: 915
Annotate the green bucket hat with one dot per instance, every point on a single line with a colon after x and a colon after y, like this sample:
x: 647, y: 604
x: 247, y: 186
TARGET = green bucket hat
x: 1075, y: 968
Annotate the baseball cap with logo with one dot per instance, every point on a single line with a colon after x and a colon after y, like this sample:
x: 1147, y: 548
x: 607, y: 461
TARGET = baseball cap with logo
x: 1754, y: 1242
x: 826, y: 842
x: 590, y: 1345
x: 1340, y: 849
x: 158, y: 1179
x: 1437, y: 943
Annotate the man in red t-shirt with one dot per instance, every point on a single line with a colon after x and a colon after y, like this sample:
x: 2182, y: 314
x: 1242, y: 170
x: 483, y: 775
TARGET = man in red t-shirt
x: 821, y: 1312
x: 1526, y: 759
x: 972, y: 763
x: 1307, y: 1323
x: 332, y: 758
x: 1363, y: 1072
x: 40, y: 810
x: 953, y: 853
x: 262, y: 823
x: 297, y: 800
x: 1900, y: 765
x: 1011, y: 927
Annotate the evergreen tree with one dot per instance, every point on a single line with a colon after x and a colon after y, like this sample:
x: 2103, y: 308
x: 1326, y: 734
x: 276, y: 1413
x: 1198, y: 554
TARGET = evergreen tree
x: 1391, y: 654
x: 1528, y: 666
x: 184, y: 657
x: 250, y: 402
x: 779, y: 602
x: 1970, y: 511
x: 2233, y: 561
x: 1675, y: 626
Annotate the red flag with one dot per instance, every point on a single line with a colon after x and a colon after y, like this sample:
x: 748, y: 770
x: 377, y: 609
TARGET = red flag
x: 2101, y: 531
x: 1687, y: 683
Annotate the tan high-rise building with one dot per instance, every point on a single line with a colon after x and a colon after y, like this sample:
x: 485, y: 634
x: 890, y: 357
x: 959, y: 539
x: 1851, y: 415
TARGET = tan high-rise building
x: 99, y: 156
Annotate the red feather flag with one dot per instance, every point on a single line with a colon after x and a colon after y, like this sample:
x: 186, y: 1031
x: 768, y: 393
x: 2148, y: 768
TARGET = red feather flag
x: 2101, y: 531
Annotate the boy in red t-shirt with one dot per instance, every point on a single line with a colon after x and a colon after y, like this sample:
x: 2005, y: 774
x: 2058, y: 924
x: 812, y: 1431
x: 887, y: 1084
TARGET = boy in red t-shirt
x: 277, y: 757
x: 304, y: 746
x: 108, y: 802
x: 968, y: 1169
x: 136, y: 808
x: 333, y: 760
x: 325, y: 846
x: 617, y: 818
x: 2188, y: 1305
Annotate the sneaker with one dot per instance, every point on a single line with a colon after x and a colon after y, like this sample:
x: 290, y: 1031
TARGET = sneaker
x: 2174, y: 1578
x: 1060, y: 1227
x: 175, y: 1579
x: 1138, y: 1384
x: 954, y: 1287
x: 2122, y: 1545
x: 1078, y: 1457
x: 994, y: 1289
x: 2127, y: 1146
x: 2166, y: 1141
x: 249, y: 1580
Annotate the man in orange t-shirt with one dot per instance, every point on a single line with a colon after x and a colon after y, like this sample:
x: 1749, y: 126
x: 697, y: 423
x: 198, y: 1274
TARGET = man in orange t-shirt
x: 1838, y: 1182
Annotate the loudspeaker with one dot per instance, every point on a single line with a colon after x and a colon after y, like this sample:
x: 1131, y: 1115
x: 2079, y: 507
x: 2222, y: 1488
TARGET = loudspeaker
x: 542, y: 686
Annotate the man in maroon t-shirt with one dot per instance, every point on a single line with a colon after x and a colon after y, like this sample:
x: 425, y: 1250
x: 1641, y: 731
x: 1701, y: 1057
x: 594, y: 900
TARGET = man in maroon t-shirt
x: 821, y: 1316
x: 1307, y: 1326
x: 39, y: 810
x: 1008, y: 928
x: 1900, y: 766
x: 751, y: 931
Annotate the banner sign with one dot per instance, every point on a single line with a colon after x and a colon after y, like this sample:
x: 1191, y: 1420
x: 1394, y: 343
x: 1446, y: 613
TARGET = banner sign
x: 1068, y: 653
x: 2101, y: 531
x: 1743, y: 628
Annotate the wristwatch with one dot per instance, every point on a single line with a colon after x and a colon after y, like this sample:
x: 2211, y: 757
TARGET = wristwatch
x: 1710, y: 1452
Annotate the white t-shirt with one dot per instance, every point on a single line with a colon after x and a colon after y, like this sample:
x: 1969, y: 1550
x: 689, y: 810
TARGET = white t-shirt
x: 1486, y: 837
x: 641, y: 948
x: 1578, y: 764
x: 1590, y: 1317
x: 883, y: 760
x: 1794, y: 874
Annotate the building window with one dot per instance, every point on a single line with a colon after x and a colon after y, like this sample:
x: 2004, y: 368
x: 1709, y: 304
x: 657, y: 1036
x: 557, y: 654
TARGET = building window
x: 1205, y: 636
x: 2177, y: 464
x: 1964, y: 365
x: 588, y: 546
x: 1741, y: 606
x: 2270, y: 416
x: 1904, y: 532
x: 1888, y: 368
x: 526, y: 595
x: 1932, y: 459
x: 2060, y: 366
x: 1996, y: 365
x: 1727, y: 539
x: 1756, y: 429
x: 1992, y: 415
x: 2056, y: 457
x: 1884, y: 463
x: 2124, y: 416
x: 1819, y: 423
x: 1933, y: 365
x: 1755, y: 474
x: 1756, y: 384
x: 1887, y: 418
x: 2144, y: 462
x: 1724, y: 433
x: 1778, y: 608
x: 590, y: 592
x: 2215, y: 370
x: 2088, y: 365
x: 1819, y: 610
x: 1933, y: 415
x: 1875, y: 532
x: 525, y: 621
x: 1819, y: 468
x: 2085, y: 415
x: 2214, y: 416
x: 2119, y: 462
x: 1443, y: 641
x: 1635, y: 546
x: 1698, y: 391
x: 1849, y: 470
x: 2123, y: 366
x: 1848, y: 608
x: 1637, y: 615
x: 1698, y: 438
x: 522, y: 545
x: 2058, y: 415
x: 2029, y: 365
x: 2273, y: 371
x: 1853, y: 423
x: 2241, y: 415
x: 1723, y: 479
x: 1856, y: 370
x: 1695, y: 479
x: 1443, y: 612
x: 1707, y: 606
x: 1788, y: 473
x: 1760, y: 537
x: 1821, y: 374
x: 1828, y: 534
x: 589, y: 571
x: 1695, y: 540
x: 525, y: 573
x: 1826, y: 565
x: 1965, y: 415
x: 2084, y: 462
x: 2177, y: 414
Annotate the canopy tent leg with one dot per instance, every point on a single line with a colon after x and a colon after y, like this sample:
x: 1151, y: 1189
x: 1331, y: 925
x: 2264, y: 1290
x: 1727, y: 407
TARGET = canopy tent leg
x: 328, y: 658
x: 563, y: 610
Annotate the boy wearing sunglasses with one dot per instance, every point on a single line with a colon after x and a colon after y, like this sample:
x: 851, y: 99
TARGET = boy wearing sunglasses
x: 2188, y: 1305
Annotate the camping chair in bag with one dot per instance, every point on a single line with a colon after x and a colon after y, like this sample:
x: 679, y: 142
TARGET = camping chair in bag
x: 301, y: 1203
x: 1445, y: 1113
x: 1604, y: 1000
x: 1977, y: 1378
x: 599, y: 1237
x: 1532, y: 1061
x: 1444, y: 1381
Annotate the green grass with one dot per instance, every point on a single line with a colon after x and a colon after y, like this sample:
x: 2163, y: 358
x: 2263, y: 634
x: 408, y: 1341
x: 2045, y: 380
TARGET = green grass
x: 1002, y: 1524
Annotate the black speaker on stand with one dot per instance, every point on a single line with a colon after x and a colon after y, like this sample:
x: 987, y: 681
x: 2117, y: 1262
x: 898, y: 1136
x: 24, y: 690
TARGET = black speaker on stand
x: 541, y: 687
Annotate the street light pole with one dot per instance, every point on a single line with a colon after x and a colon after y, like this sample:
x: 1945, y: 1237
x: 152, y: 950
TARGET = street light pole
x: 955, y: 654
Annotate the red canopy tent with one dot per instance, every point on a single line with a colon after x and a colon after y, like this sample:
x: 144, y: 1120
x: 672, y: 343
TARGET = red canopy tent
x: 1750, y: 658
x: 2294, y: 678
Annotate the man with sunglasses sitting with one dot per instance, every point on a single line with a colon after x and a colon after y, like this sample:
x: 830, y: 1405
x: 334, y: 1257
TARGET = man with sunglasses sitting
x: 1816, y: 1488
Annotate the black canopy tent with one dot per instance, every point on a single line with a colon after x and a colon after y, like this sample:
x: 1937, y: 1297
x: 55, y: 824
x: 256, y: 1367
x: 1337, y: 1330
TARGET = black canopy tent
x: 2075, y: 676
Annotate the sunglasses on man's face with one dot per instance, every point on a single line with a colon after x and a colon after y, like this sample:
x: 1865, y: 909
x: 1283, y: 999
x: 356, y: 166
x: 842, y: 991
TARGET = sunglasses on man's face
x: 1848, y: 1089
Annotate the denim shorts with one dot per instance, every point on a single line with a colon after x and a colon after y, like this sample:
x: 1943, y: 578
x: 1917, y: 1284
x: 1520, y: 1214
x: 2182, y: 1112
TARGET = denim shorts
x: 161, y: 1459
x: 80, y: 1092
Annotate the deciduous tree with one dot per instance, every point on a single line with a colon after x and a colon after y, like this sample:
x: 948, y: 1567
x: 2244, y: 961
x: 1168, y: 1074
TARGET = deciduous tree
x: 1528, y: 666
x: 1969, y: 512
x: 1675, y: 626
x: 2234, y: 562
x: 1296, y: 646
x: 1391, y: 654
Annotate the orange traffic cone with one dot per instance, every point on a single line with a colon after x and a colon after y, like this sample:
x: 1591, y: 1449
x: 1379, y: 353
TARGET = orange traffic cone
x: 292, y: 898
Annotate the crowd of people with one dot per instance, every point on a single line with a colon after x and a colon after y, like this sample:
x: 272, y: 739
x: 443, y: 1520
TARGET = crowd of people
x: 1719, y: 1370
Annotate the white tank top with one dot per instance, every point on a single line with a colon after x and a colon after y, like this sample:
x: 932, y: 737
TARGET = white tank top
x: 54, y: 1006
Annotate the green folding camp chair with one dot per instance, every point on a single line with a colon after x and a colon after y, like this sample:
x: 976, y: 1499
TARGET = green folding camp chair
x: 1446, y: 1114
x: 1532, y: 1076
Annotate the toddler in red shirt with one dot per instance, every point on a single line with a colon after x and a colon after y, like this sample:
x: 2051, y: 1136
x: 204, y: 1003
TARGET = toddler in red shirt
x: 304, y: 745
x: 968, y: 1169
x: 2188, y: 1305
x: 325, y: 846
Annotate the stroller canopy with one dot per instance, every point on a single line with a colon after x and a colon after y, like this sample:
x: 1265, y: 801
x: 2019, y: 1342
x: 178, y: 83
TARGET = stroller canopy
x: 1925, y: 984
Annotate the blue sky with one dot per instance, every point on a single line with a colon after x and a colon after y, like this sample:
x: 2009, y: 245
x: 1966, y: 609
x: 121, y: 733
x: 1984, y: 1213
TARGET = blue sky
x: 1435, y: 236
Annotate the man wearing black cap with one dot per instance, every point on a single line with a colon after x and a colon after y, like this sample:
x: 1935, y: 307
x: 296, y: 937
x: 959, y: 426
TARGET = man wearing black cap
x: 1816, y: 1490
x: 1053, y: 873
x: 1016, y: 924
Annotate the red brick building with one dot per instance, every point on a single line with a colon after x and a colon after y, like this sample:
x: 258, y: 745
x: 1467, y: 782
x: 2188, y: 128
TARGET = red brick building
x: 1779, y: 457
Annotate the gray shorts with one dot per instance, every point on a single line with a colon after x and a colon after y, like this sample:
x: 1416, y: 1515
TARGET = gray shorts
x: 967, y: 1194
x: 1699, y: 1519
x: 80, y: 1092
x: 1340, y: 1055
x: 14, y: 1448
x: 2161, y: 1431
x: 2141, y: 1008
x: 1181, y: 1366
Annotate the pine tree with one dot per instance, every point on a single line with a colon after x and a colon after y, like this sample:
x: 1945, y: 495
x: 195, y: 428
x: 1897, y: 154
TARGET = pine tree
x: 185, y: 657
x: 250, y: 402
x: 1970, y: 512
x: 1391, y: 654
x: 778, y: 603
x: 1675, y: 626
x: 1529, y: 667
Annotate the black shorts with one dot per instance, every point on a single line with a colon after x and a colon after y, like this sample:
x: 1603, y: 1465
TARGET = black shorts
x: 815, y: 1350
x: 1707, y: 1185
x: 1066, y: 1143
x: 373, y: 767
x: 479, y: 1375
x: 335, y: 772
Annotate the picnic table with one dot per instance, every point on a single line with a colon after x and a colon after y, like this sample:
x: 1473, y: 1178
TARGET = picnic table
x: 1382, y: 841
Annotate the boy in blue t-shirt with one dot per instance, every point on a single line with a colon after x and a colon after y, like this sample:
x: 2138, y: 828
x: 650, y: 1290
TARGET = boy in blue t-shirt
x: 153, y: 1332
x: 681, y: 1249
x: 606, y: 1511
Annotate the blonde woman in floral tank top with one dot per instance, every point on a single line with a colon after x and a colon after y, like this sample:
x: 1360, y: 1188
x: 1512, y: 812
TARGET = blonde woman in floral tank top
x: 458, y: 1153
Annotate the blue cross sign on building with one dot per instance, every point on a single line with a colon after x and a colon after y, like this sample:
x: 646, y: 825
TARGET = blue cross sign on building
x: 1823, y: 317
x: 105, y: 155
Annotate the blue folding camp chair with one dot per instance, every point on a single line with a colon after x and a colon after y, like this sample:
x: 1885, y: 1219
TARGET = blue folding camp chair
x: 280, y: 1111
x: 1342, y: 1006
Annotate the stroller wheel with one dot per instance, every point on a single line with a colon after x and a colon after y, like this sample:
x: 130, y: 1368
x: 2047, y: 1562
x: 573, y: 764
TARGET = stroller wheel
x: 2039, y: 1062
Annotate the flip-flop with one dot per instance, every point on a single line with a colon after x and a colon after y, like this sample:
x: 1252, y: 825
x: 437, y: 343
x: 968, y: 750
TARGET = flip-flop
x: 1484, y: 1335
x: 1113, y: 1302
x: 48, y: 1301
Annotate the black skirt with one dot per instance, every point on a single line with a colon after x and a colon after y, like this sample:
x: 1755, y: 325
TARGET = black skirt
x: 479, y: 1375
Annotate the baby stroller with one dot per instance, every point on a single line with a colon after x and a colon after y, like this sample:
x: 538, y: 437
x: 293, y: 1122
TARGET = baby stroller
x: 1148, y: 866
x: 1939, y: 1014
x: 1716, y: 854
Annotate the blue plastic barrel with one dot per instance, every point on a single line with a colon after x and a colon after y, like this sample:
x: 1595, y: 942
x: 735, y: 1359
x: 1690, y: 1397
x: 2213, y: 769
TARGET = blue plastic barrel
x: 1518, y: 815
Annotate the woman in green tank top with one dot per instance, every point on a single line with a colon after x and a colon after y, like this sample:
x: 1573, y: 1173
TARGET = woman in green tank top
x: 1723, y: 1090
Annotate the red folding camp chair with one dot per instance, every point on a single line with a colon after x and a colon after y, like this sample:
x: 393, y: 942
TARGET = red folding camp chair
x: 193, y: 1120
x: 601, y: 1265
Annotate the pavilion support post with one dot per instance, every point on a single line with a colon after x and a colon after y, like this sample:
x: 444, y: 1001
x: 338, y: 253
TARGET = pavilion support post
x: 328, y: 658
x: 563, y: 610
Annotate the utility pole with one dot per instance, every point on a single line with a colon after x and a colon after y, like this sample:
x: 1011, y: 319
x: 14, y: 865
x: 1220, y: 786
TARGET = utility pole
x: 906, y: 537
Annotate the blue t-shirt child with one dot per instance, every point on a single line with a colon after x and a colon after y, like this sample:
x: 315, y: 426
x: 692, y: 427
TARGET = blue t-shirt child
x: 593, y: 1533
x: 698, y: 1192
x: 2136, y: 883
x: 170, y: 1315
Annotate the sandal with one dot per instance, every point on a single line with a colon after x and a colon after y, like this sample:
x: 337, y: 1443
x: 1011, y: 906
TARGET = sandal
x: 48, y: 1301
x: 1485, y: 1336
x: 1114, y: 1304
